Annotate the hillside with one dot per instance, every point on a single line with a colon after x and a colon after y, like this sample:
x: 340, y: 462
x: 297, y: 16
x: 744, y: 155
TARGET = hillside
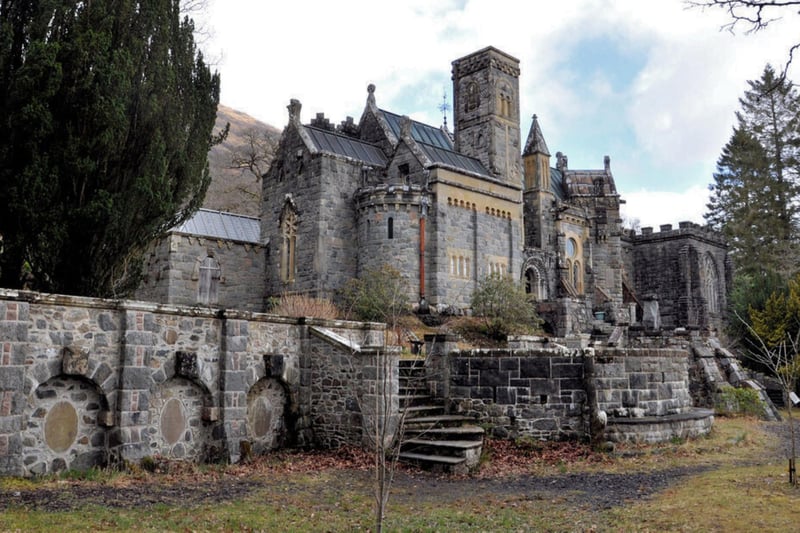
x: 234, y: 187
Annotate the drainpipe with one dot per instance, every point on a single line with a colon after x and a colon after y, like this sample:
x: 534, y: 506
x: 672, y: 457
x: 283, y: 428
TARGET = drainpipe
x: 423, y: 208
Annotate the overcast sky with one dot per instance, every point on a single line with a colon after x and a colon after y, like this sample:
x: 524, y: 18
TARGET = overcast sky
x: 648, y: 82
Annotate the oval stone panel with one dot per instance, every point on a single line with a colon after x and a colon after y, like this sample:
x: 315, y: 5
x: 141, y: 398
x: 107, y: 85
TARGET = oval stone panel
x: 61, y: 427
x: 261, y: 417
x: 173, y: 421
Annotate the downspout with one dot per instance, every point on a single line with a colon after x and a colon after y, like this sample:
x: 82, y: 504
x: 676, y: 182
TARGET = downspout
x: 423, y: 208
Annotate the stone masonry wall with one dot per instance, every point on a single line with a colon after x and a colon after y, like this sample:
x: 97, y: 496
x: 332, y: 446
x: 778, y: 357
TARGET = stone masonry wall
x: 173, y: 272
x: 653, y: 380
x: 86, y: 382
x: 548, y: 393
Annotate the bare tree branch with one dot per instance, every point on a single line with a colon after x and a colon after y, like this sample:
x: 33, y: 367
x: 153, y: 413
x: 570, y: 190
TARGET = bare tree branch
x: 256, y: 154
x: 753, y: 16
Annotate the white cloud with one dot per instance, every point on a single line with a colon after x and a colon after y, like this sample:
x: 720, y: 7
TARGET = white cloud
x: 677, y: 113
x: 654, y: 208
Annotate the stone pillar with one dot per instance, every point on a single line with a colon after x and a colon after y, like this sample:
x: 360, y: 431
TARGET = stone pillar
x: 380, y: 400
x: 13, y: 334
x: 130, y: 440
x: 437, y: 352
x: 233, y: 382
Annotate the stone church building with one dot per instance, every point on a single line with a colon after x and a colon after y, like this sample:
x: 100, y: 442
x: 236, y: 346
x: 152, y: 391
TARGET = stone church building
x: 447, y: 210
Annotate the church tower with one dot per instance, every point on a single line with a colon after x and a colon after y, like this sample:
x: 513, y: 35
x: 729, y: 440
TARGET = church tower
x: 486, y: 110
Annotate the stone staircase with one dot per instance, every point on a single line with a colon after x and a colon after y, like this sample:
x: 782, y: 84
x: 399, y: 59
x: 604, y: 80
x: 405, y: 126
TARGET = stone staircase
x: 431, y: 438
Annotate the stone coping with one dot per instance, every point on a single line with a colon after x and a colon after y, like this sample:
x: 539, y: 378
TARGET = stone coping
x: 695, y: 413
x: 193, y: 311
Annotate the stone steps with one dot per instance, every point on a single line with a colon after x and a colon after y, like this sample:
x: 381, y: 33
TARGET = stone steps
x: 433, y: 439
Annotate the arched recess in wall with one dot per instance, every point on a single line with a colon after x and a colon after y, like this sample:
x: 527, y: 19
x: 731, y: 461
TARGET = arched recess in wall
x: 64, y: 427
x: 267, y: 404
x: 178, y: 429
x: 709, y: 280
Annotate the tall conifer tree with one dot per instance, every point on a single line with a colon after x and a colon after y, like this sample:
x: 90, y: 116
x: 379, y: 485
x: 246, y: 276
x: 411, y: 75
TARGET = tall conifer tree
x: 755, y: 192
x: 106, y: 112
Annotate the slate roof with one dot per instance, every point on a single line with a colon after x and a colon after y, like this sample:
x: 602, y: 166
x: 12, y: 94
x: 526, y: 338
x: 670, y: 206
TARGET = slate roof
x: 453, y: 159
x: 557, y: 184
x: 582, y: 182
x: 422, y: 133
x: 334, y: 143
x: 221, y: 225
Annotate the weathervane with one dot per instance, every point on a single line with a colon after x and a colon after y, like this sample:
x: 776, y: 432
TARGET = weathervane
x: 444, y: 107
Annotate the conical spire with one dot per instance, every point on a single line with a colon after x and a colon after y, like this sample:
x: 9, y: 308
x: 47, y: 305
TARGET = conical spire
x: 535, y: 143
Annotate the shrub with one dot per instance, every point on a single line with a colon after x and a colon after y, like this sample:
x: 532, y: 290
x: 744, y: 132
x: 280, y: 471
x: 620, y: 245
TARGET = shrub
x: 504, y: 307
x: 297, y: 305
x: 379, y: 295
x: 732, y: 401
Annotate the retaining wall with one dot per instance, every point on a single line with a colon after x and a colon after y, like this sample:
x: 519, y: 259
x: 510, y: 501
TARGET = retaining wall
x: 87, y: 381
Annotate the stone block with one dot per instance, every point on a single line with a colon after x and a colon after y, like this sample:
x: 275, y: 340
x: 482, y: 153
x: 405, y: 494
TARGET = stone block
x: 506, y: 395
x: 571, y: 370
x: 494, y: 378
x: 75, y: 361
x: 637, y: 381
x: 187, y: 365
x: 11, y: 377
x: 105, y: 418
x: 482, y: 392
x: 509, y: 363
x: 134, y: 378
x: 210, y: 414
x: 544, y: 386
x: 274, y: 365
x: 534, y: 367
x: 485, y: 363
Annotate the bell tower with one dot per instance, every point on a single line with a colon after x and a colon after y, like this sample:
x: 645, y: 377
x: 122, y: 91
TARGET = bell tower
x: 486, y: 110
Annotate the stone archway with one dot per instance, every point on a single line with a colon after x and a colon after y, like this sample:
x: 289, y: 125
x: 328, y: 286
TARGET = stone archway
x: 177, y: 429
x: 62, y: 430
x: 267, y: 429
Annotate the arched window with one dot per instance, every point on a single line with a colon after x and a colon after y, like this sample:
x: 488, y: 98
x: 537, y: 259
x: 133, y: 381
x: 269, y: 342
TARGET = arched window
x: 505, y: 101
x: 288, y: 242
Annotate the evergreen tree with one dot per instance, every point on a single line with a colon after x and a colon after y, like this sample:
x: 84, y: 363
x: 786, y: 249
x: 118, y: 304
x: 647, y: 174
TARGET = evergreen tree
x: 755, y: 189
x: 739, y: 197
x: 106, y: 112
x: 771, y: 113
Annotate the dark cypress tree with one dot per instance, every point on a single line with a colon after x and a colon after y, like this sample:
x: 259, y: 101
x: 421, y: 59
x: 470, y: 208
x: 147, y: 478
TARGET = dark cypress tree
x: 106, y: 117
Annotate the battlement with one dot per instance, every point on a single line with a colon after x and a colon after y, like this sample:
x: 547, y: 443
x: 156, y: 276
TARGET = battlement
x: 685, y: 229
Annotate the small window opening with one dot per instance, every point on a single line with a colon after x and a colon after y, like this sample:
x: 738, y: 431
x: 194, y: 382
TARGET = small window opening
x: 390, y: 228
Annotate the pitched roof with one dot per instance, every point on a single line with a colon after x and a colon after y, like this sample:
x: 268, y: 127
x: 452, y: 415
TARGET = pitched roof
x: 221, y: 225
x: 422, y: 133
x: 453, y: 159
x: 334, y: 143
x: 535, y: 143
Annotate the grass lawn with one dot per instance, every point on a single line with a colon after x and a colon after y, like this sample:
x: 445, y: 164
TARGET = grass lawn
x: 733, y: 480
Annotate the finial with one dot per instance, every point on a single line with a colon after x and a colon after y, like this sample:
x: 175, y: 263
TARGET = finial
x: 371, y: 95
x: 294, y: 108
